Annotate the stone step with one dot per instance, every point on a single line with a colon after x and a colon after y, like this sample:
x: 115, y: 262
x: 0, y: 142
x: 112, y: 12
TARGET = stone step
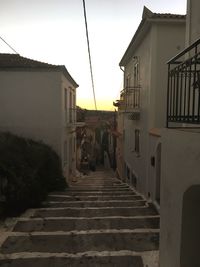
x: 96, y: 194
x: 48, y: 225
x: 85, y: 261
x: 92, y: 198
x: 99, y: 178
x: 99, y: 183
x: 90, y: 204
x: 75, y: 243
x: 82, y: 187
x: 96, y: 189
x: 93, y: 212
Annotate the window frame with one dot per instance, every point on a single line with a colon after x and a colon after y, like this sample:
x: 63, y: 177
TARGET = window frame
x: 137, y: 141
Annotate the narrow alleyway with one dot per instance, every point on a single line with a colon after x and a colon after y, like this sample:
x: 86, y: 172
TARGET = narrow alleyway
x: 97, y: 222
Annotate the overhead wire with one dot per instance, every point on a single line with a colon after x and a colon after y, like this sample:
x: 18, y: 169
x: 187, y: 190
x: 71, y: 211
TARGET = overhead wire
x: 89, y: 54
x: 9, y: 45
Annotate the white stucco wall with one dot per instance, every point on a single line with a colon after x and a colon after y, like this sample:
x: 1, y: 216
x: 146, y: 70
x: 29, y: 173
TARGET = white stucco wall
x: 138, y: 163
x: 30, y: 105
x: 180, y: 170
x: 161, y: 41
x: 119, y: 146
x: 193, y: 21
x: 168, y: 40
x: 68, y: 133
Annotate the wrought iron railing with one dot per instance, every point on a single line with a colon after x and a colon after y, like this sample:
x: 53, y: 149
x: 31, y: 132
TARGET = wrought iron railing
x: 183, y: 94
x: 130, y: 99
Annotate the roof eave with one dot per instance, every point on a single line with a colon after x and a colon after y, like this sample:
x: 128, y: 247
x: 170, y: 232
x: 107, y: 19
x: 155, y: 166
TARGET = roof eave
x: 68, y: 76
x: 141, y: 28
x: 140, y: 32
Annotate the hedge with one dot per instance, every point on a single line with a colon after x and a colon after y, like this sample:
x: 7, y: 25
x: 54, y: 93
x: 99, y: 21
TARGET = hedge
x: 29, y: 170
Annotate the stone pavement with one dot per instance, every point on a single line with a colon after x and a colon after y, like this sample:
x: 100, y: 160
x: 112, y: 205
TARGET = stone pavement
x: 96, y: 222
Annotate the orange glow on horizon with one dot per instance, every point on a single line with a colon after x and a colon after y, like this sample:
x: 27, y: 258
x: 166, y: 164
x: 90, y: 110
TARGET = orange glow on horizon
x: 102, y: 104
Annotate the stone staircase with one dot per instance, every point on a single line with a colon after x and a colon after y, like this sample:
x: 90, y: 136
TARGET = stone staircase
x: 98, y: 222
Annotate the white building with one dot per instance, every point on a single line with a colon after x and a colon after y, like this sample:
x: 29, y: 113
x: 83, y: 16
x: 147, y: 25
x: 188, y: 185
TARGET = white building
x: 158, y: 38
x: 38, y: 100
x: 180, y: 165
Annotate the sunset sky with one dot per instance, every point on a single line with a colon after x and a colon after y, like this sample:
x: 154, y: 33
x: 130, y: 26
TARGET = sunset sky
x: 53, y: 31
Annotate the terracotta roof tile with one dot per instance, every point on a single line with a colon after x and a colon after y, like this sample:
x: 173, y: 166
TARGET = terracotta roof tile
x: 15, y: 60
x: 168, y: 16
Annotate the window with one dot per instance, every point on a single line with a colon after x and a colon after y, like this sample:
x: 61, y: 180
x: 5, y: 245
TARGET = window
x: 136, y: 74
x: 128, y: 81
x: 137, y: 141
x: 74, y: 108
x: 70, y: 106
x: 66, y: 105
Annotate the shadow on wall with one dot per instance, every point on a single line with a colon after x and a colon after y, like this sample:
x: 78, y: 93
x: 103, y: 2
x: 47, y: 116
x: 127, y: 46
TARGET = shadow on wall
x: 190, y: 232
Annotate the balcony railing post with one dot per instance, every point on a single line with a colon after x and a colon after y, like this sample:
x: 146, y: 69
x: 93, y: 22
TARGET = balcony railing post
x: 177, y: 92
x: 189, y: 92
x: 168, y: 82
x: 183, y: 99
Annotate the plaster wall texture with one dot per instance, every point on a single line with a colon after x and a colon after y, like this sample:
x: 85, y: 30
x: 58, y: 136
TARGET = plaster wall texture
x: 31, y: 105
x: 170, y: 40
x: 180, y: 170
x: 119, y: 148
x: 154, y: 141
x: 193, y: 21
x: 68, y: 133
x: 160, y: 43
x: 137, y: 162
x: 162, y: 50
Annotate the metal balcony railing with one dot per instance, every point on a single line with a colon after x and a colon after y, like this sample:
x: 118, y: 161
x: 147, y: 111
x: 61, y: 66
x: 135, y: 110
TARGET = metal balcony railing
x: 183, y: 93
x: 130, y: 99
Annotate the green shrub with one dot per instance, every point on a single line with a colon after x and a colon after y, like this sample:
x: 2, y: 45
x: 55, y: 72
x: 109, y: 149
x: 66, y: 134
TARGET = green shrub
x: 31, y: 169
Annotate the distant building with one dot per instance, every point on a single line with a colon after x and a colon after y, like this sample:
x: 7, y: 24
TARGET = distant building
x: 38, y: 100
x: 142, y: 104
x: 97, y: 136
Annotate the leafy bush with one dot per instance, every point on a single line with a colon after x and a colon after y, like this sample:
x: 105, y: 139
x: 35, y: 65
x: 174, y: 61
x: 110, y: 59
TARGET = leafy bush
x: 31, y: 170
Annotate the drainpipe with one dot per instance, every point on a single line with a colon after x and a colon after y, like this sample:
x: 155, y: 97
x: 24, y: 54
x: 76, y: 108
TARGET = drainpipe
x: 123, y: 72
x: 121, y: 68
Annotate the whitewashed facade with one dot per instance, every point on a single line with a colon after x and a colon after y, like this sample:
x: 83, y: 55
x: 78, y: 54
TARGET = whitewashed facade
x: 38, y: 100
x: 158, y: 37
x: 180, y: 172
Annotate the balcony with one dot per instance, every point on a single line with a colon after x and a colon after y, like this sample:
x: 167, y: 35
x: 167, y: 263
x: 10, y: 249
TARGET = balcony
x: 130, y: 99
x: 183, y: 93
x: 70, y: 117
